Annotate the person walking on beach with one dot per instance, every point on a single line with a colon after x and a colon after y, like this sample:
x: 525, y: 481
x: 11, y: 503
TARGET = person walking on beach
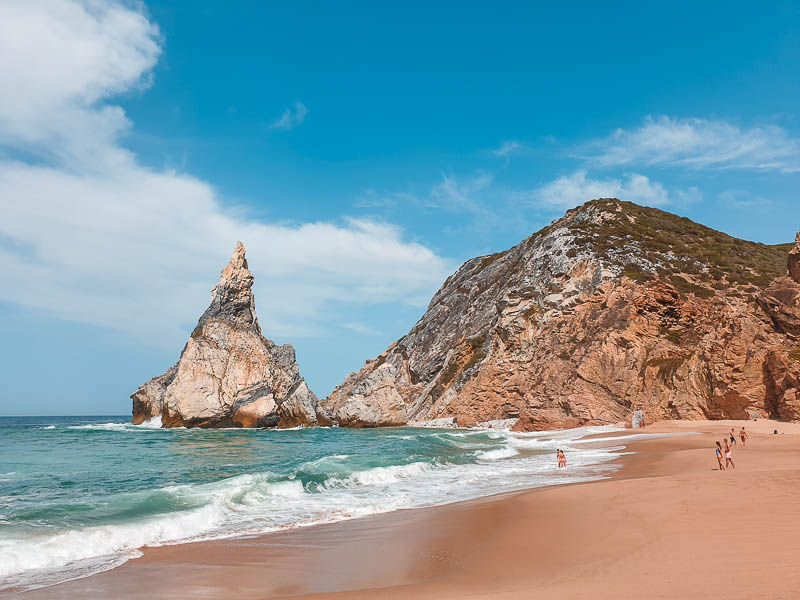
x: 562, y: 460
x: 718, y: 454
x: 733, y: 437
x: 743, y: 437
x: 729, y: 455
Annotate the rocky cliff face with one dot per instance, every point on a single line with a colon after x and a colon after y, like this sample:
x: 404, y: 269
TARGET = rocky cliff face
x: 794, y: 260
x: 228, y: 374
x: 612, y: 308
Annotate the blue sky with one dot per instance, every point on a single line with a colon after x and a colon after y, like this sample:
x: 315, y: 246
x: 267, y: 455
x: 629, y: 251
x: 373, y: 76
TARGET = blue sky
x: 361, y: 153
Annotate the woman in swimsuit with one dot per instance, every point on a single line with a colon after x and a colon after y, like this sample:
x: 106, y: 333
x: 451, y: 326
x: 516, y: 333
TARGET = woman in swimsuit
x: 718, y: 454
x: 743, y: 437
x: 562, y: 460
x: 729, y: 455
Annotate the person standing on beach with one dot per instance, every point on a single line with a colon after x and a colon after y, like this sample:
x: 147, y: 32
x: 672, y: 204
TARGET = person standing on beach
x: 718, y: 454
x: 562, y: 460
x: 733, y: 437
x: 729, y: 455
x: 743, y: 437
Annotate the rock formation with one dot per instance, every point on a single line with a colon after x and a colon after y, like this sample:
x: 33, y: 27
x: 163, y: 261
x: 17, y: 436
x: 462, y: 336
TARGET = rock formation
x: 228, y: 374
x: 794, y: 259
x: 613, y: 307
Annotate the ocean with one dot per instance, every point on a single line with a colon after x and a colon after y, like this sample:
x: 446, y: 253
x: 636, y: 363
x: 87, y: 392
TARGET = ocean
x: 79, y: 495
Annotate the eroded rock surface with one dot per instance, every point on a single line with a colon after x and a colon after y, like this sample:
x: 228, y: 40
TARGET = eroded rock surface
x: 229, y: 375
x: 794, y: 260
x: 612, y: 308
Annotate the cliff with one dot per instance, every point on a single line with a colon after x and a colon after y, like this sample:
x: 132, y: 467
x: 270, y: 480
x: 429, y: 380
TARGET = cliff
x: 229, y: 375
x: 613, y: 307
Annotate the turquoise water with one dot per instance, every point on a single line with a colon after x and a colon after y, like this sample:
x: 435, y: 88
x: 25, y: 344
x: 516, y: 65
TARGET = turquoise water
x: 83, y: 494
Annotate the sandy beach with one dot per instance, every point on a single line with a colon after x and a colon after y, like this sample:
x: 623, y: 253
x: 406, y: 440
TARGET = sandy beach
x: 668, y: 524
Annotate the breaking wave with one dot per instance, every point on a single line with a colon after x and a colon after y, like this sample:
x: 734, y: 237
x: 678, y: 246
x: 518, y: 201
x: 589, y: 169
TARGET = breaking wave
x: 365, y: 473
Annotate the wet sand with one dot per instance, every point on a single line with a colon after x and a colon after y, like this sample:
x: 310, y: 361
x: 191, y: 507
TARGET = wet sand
x: 668, y: 524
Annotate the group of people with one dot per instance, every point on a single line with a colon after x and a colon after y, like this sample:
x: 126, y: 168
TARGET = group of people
x: 719, y: 452
x: 730, y: 443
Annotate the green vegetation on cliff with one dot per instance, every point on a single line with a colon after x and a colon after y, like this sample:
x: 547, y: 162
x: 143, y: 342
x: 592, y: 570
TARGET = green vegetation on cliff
x: 647, y: 242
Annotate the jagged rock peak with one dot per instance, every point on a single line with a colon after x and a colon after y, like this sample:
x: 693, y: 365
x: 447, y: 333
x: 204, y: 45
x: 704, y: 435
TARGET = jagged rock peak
x: 229, y: 374
x: 794, y: 259
x: 232, y: 298
x: 236, y: 274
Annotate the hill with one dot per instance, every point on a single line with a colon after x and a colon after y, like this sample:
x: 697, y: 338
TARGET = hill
x: 614, y: 307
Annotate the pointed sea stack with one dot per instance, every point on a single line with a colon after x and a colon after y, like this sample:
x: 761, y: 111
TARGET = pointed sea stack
x: 229, y: 375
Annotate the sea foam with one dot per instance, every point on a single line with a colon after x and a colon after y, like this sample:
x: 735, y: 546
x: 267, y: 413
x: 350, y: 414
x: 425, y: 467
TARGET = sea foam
x: 333, y: 487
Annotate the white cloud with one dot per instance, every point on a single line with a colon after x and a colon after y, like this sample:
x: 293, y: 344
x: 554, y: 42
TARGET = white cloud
x: 743, y: 199
x: 90, y: 235
x: 461, y: 195
x: 571, y: 190
x: 507, y: 148
x: 138, y: 251
x: 291, y: 117
x: 371, y: 199
x: 360, y: 328
x: 697, y: 143
x: 57, y: 60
